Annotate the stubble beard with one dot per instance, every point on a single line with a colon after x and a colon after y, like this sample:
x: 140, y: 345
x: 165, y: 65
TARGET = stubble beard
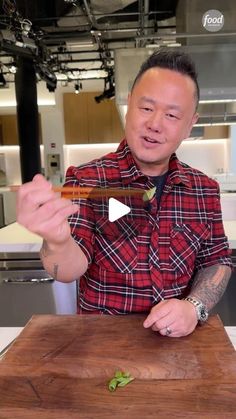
x: 152, y: 163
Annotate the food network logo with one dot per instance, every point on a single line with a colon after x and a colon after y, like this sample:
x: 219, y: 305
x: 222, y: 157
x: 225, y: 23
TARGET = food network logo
x: 213, y: 20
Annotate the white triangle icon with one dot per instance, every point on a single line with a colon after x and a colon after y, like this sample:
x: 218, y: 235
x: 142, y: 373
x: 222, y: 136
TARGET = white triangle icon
x: 116, y: 209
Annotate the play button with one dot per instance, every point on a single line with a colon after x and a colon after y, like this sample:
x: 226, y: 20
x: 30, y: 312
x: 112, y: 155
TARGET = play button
x: 116, y: 209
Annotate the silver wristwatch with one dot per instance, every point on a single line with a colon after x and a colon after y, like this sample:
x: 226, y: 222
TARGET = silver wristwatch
x: 202, y: 313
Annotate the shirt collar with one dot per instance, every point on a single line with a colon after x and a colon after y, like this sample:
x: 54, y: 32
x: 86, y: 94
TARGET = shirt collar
x: 178, y: 174
x: 128, y: 168
x: 130, y: 172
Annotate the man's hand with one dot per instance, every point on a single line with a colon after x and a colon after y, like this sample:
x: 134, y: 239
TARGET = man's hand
x: 173, y: 318
x: 44, y: 212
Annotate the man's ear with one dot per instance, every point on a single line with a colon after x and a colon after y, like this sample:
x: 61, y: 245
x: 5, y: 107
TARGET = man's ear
x: 193, y: 121
x: 195, y: 118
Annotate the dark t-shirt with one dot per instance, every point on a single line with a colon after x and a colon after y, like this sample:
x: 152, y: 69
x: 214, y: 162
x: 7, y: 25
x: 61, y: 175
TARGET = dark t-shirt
x: 159, y: 182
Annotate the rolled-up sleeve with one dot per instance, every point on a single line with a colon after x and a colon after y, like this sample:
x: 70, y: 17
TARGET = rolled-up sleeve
x: 215, y: 249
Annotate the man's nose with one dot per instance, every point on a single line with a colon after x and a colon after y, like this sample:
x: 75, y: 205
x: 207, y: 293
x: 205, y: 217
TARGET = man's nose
x: 155, y: 121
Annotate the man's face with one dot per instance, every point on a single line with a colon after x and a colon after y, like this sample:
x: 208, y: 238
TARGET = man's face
x: 161, y: 113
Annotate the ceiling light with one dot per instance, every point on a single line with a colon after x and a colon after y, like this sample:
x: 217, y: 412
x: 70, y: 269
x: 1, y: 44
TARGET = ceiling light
x: 12, y: 69
x: 47, y: 75
x: 80, y: 43
x: 62, y: 77
x: 211, y: 124
x: 217, y: 101
x: 153, y: 46
x: 109, y: 88
x: 174, y: 45
x: 26, y: 26
x: 78, y: 87
x: 107, y: 94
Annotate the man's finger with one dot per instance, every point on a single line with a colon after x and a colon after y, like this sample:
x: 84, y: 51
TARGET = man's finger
x: 149, y: 321
x: 157, y: 313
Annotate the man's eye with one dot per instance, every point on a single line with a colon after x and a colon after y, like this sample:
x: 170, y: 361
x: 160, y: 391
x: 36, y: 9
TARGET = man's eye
x: 172, y: 116
x: 146, y: 109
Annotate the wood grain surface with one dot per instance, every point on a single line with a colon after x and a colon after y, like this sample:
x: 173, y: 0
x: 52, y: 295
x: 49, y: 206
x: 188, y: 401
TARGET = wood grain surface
x: 59, y: 367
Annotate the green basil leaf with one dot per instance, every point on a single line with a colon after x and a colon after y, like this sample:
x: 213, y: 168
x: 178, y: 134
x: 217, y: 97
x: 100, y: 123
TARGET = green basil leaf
x: 112, y: 384
x: 118, y: 374
x: 119, y: 380
x: 125, y: 381
x: 126, y: 374
x: 148, y: 195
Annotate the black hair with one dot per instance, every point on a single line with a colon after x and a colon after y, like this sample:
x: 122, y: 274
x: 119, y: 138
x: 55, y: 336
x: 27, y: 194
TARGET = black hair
x: 172, y: 59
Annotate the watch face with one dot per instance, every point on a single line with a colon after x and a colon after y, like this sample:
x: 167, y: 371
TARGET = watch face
x: 203, y: 315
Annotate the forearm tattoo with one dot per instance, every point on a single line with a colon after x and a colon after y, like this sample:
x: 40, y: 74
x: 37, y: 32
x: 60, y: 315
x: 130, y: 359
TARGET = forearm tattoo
x: 55, y: 270
x: 44, y: 253
x: 210, y: 283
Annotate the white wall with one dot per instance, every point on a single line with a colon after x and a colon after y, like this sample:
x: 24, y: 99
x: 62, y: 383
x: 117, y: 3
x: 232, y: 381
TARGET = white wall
x: 82, y: 153
x: 209, y: 156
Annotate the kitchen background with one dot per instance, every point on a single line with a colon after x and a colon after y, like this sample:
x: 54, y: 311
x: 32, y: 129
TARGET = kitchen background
x: 63, y: 140
x: 84, y: 56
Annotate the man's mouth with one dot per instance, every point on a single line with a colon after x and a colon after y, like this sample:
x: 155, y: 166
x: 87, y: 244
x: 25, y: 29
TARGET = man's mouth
x: 151, y: 140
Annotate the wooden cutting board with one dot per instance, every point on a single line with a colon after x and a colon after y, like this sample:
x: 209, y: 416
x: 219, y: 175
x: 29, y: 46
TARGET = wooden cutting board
x: 59, y: 367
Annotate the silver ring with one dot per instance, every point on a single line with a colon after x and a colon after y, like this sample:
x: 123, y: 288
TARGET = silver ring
x: 168, y: 331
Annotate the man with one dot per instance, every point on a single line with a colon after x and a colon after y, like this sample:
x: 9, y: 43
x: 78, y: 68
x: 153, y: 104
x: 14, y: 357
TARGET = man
x: 163, y: 251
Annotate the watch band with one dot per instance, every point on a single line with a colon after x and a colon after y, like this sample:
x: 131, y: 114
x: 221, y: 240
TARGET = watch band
x: 201, y: 311
x: 192, y: 300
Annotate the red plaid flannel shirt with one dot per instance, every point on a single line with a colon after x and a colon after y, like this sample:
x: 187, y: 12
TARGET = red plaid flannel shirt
x: 151, y: 253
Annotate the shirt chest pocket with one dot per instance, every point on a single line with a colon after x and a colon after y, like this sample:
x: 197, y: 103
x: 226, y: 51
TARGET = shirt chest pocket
x: 116, y: 245
x: 185, y: 243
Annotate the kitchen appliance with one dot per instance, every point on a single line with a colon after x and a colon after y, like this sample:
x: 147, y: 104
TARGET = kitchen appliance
x: 27, y: 289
